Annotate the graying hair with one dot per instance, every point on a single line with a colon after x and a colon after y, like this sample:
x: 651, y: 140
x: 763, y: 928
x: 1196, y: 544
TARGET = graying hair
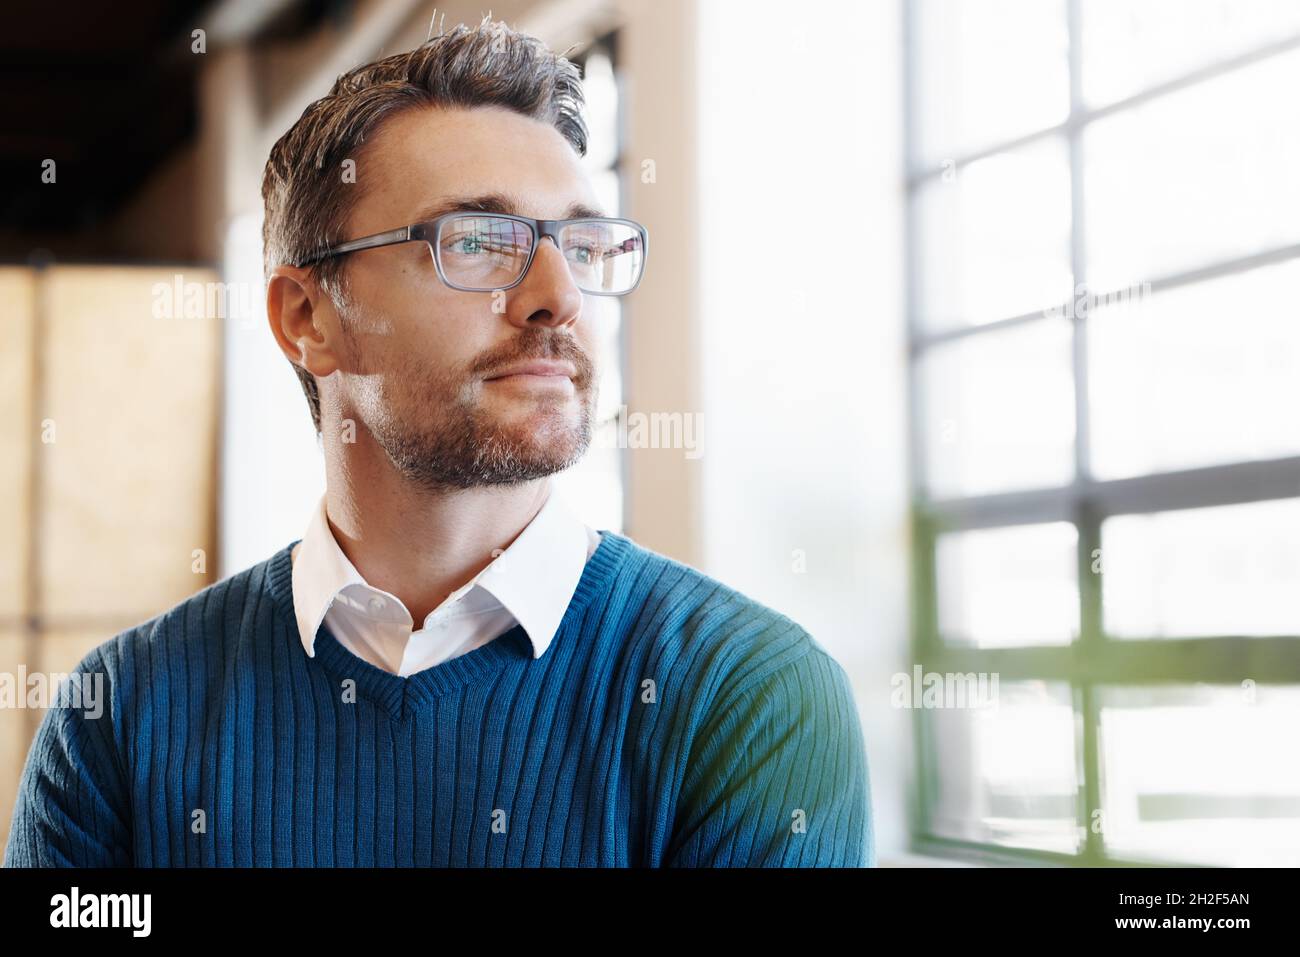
x: 307, y: 203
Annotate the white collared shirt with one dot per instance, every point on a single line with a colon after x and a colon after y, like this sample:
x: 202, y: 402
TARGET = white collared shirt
x: 530, y: 583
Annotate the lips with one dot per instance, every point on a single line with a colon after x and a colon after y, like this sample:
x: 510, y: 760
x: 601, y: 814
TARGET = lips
x: 538, y: 367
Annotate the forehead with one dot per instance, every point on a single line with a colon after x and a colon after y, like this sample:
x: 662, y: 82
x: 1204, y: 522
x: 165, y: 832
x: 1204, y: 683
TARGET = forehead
x: 422, y: 156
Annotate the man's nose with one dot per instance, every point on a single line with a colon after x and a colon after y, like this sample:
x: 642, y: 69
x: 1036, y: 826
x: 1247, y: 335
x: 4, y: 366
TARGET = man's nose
x: 548, y: 293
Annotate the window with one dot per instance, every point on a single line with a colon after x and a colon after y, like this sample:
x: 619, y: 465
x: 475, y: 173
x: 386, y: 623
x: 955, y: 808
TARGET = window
x: 595, y: 486
x: 1104, y: 266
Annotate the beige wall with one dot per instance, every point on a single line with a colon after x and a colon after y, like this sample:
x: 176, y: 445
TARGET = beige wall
x: 107, y: 467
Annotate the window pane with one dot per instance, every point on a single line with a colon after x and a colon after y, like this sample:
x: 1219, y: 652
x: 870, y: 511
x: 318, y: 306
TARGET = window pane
x: 593, y: 487
x: 600, y: 91
x: 1227, y: 570
x: 1008, y: 774
x: 1202, y: 774
x: 973, y: 59
x: 1198, y: 375
x: 994, y: 238
x: 1007, y: 587
x: 1204, y: 174
x: 999, y: 410
x: 1128, y: 47
x: 605, y: 184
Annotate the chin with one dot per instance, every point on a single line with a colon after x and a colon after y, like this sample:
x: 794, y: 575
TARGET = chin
x: 538, y: 416
x: 544, y: 435
x: 543, y: 438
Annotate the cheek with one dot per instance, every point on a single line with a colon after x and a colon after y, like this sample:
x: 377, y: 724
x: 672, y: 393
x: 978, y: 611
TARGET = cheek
x: 396, y: 281
x: 445, y: 337
x: 424, y: 324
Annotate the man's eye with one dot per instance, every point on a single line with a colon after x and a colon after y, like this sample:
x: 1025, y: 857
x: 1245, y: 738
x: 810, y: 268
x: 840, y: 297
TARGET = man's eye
x: 585, y: 255
x: 466, y: 243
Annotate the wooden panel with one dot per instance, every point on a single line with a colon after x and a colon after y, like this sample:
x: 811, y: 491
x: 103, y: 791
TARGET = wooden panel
x: 17, y: 434
x: 14, y: 739
x: 130, y: 479
x: 61, y: 651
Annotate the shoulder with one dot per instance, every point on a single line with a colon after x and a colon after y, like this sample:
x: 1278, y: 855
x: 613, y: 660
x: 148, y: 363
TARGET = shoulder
x: 734, y: 641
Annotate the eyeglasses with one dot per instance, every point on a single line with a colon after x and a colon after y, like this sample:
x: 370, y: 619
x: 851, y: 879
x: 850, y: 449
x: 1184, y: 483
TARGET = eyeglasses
x: 487, y: 252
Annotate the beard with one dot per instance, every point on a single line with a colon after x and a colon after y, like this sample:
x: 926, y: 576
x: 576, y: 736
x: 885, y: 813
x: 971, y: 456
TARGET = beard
x: 441, y: 432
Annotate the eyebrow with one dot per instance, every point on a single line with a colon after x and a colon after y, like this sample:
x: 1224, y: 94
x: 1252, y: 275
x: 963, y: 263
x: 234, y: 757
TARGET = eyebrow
x: 497, y: 203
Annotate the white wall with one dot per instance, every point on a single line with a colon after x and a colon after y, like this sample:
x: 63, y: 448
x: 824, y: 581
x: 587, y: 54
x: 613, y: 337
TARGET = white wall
x: 803, y: 388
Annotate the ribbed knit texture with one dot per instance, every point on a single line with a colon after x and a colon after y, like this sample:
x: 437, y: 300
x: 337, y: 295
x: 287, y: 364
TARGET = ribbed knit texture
x: 672, y: 722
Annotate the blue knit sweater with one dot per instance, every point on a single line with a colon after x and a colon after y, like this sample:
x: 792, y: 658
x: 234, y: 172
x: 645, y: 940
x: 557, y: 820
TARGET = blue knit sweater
x: 673, y: 722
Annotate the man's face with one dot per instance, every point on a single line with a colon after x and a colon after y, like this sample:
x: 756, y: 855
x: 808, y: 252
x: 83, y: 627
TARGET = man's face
x: 421, y: 363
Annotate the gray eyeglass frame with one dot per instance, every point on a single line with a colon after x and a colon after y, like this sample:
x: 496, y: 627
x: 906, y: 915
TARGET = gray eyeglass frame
x: 430, y: 232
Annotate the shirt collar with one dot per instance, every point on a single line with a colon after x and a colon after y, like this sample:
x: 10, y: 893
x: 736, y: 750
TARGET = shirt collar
x: 534, y: 578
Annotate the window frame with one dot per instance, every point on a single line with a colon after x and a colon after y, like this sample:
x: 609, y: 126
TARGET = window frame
x: 607, y: 41
x: 1093, y: 660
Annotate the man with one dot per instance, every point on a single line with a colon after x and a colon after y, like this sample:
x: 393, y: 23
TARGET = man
x: 567, y: 697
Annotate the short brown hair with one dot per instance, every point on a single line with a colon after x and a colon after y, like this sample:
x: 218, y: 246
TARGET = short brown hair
x: 307, y: 202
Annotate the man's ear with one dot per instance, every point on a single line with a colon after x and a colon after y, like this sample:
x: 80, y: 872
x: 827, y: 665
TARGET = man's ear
x: 302, y: 319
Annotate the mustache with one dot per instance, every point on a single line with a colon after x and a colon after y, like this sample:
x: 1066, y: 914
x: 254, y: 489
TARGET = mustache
x: 540, y: 343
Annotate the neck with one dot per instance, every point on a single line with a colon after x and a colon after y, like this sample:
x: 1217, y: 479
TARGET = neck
x: 418, y: 544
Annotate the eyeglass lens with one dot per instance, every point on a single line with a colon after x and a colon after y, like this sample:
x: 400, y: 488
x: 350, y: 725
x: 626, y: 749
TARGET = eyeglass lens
x: 483, y: 252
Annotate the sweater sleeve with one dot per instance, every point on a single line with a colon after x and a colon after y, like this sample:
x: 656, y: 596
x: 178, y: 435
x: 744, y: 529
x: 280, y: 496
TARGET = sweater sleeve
x: 70, y: 809
x: 779, y: 777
